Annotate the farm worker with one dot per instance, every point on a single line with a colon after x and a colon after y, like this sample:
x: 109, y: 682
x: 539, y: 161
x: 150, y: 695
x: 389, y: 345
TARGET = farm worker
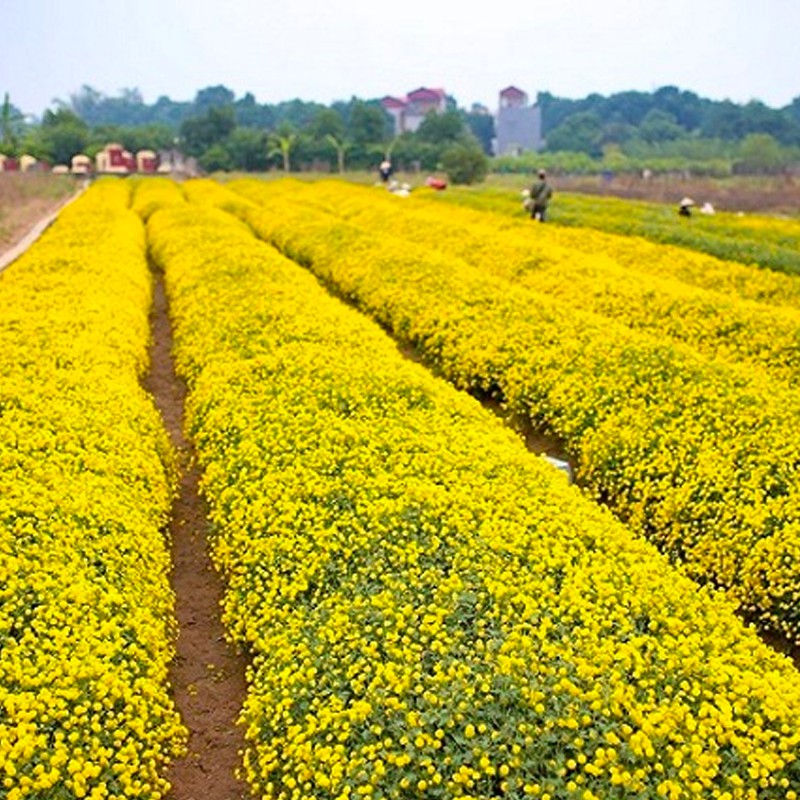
x: 685, y: 207
x: 540, y: 195
x: 385, y: 169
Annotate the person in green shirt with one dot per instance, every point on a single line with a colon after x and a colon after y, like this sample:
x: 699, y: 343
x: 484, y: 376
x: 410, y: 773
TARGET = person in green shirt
x: 541, y: 192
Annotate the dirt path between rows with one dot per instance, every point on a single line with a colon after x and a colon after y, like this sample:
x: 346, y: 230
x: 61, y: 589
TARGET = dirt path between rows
x: 207, y: 676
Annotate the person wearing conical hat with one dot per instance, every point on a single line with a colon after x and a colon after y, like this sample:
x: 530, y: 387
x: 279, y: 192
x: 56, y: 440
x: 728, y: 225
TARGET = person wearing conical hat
x: 685, y: 207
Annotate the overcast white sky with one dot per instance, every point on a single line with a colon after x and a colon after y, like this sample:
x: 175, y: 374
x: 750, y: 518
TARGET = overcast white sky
x: 325, y: 51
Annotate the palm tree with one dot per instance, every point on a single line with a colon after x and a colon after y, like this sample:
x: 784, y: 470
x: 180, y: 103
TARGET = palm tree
x: 341, y: 146
x: 8, y: 121
x: 282, y: 144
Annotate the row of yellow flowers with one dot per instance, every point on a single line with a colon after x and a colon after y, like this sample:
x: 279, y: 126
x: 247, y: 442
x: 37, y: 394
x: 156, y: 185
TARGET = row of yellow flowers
x: 700, y: 456
x: 767, y: 241
x: 86, y: 611
x: 433, y: 610
x: 762, y: 242
x: 716, y: 323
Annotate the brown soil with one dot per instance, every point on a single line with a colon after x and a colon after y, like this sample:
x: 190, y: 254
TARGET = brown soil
x: 27, y: 199
x: 18, y: 220
x: 207, y: 676
x: 21, y: 223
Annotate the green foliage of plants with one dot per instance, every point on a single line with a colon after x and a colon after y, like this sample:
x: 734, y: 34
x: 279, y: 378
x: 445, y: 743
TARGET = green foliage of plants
x: 465, y: 163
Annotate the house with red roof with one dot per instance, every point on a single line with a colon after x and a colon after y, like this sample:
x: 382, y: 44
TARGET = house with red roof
x: 409, y: 111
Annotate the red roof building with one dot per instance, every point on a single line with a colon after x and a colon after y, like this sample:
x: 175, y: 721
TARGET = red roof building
x: 409, y: 111
x: 393, y: 102
x: 511, y: 97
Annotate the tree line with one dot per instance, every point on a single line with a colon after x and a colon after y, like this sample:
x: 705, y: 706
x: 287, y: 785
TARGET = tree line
x: 667, y: 129
x: 226, y: 133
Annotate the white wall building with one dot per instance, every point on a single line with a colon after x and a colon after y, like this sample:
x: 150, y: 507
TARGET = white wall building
x: 518, y: 125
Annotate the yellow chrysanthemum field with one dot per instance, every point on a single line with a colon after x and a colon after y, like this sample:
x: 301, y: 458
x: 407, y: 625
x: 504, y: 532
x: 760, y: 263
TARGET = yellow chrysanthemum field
x: 693, y: 445
x: 86, y: 623
x: 430, y: 609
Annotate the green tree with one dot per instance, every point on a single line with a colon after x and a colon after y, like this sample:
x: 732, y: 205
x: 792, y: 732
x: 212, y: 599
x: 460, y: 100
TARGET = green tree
x: 614, y: 160
x: 760, y: 153
x: 199, y: 133
x: 213, y: 97
x: 442, y: 129
x: 247, y: 148
x: 625, y: 107
x: 619, y: 132
x: 297, y: 113
x: 579, y: 133
x: 481, y: 125
x: 216, y: 159
x: 326, y: 137
x: 281, y: 143
x: 413, y: 154
x: 367, y: 124
x: 465, y: 162
x: 724, y: 120
x: 94, y: 108
x: 62, y: 135
x: 340, y: 146
x: 686, y: 108
x: 250, y: 114
x: 326, y: 122
x: 169, y: 112
x: 759, y: 118
x: 86, y: 103
x: 660, y: 126
x: 133, y: 138
x: 11, y: 126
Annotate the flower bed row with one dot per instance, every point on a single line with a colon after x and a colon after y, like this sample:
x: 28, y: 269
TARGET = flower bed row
x: 749, y: 239
x: 150, y: 194
x: 717, y: 324
x: 759, y: 241
x: 86, y: 610
x: 701, y: 457
x: 433, y: 611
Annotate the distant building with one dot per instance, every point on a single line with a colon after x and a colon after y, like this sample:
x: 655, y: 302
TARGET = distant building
x: 518, y: 125
x: 395, y: 107
x: 115, y: 158
x: 80, y: 164
x: 409, y: 111
x: 146, y: 161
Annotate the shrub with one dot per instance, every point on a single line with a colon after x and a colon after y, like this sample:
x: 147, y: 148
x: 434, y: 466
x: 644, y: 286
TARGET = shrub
x: 465, y: 163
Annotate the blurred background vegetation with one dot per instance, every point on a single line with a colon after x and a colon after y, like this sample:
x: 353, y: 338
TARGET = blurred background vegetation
x: 665, y: 131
